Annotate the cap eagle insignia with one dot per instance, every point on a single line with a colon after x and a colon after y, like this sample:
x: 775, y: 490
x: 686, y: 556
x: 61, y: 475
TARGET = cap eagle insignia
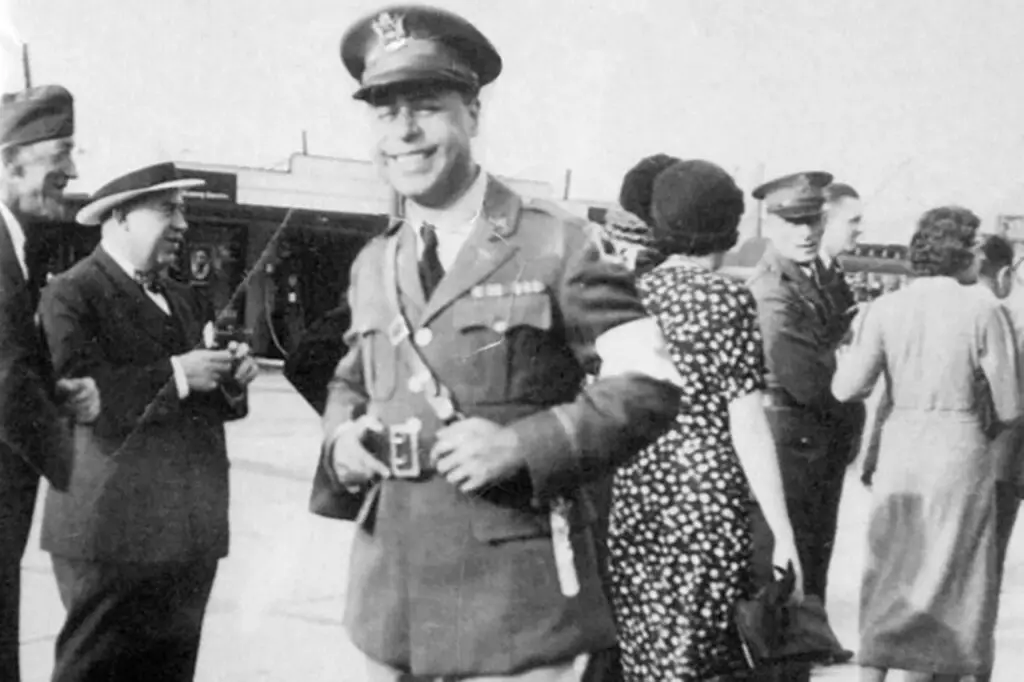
x: 390, y: 28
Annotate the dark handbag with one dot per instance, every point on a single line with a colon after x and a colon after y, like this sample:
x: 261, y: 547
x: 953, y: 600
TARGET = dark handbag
x: 774, y: 630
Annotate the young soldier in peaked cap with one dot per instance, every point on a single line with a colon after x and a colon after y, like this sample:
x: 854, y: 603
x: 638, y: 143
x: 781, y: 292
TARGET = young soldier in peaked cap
x: 805, y: 310
x: 457, y: 435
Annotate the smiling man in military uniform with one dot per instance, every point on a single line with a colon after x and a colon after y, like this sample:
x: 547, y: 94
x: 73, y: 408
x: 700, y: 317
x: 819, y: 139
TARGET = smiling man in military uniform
x: 805, y: 309
x: 457, y: 434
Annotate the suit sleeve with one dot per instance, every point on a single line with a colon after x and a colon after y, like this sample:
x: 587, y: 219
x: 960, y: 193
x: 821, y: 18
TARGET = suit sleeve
x: 793, y: 356
x: 131, y: 395
x: 997, y: 357
x: 616, y: 415
x: 31, y: 425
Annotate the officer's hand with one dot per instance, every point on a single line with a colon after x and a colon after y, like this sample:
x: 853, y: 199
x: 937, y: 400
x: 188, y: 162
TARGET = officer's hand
x: 352, y: 463
x: 475, y: 453
x: 81, y: 398
x: 205, y: 369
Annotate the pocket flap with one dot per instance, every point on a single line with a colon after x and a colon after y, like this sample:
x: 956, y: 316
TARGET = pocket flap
x: 501, y: 313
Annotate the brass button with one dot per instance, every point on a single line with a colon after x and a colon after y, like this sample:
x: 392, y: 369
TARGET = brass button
x: 423, y: 337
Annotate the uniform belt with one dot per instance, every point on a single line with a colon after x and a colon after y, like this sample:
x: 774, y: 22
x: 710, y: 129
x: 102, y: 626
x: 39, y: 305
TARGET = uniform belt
x: 405, y: 449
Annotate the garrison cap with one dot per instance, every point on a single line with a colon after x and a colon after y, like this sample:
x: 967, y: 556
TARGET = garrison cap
x: 45, y: 112
x: 415, y: 44
x: 160, y: 177
x: 800, y: 195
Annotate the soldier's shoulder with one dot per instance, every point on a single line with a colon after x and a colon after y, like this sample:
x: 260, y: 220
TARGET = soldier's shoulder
x: 765, y: 279
x: 545, y: 218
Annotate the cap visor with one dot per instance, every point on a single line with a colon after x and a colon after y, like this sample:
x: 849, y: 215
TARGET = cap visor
x: 406, y: 82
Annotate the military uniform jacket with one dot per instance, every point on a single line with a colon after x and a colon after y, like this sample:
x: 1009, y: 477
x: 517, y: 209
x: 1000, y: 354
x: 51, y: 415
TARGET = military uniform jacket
x: 150, y: 477
x: 443, y: 583
x: 31, y: 425
x: 802, y: 325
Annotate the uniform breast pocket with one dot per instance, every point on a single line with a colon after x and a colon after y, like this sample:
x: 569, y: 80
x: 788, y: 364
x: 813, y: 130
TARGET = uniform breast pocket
x: 379, y: 357
x: 500, y: 339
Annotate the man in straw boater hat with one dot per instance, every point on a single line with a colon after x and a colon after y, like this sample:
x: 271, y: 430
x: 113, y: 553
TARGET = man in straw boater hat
x: 457, y: 435
x: 805, y: 308
x: 36, y: 140
x: 136, y: 537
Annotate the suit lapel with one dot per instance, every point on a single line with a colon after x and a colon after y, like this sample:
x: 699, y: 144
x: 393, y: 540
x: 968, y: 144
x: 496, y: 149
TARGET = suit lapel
x: 486, y: 249
x: 10, y: 268
x: 151, y: 319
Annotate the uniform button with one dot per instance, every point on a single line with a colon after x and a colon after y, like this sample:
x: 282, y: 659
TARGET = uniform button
x: 501, y: 326
x: 423, y: 337
x: 444, y: 408
x: 414, y: 384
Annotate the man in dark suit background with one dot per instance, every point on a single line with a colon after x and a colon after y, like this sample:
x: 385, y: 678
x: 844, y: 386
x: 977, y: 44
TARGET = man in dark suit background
x: 137, y: 536
x: 805, y: 308
x: 36, y: 141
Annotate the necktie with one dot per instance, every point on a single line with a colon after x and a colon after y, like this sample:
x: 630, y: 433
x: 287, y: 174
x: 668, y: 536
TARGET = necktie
x: 431, y: 270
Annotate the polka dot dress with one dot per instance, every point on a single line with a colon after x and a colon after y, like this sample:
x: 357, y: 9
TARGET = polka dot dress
x: 679, y: 536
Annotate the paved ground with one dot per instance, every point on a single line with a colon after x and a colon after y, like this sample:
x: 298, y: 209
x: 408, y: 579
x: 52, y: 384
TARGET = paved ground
x: 275, y: 611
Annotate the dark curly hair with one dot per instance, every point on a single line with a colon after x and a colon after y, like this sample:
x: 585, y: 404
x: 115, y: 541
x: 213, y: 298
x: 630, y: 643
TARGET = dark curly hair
x: 943, y: 242
x: 638, y: 185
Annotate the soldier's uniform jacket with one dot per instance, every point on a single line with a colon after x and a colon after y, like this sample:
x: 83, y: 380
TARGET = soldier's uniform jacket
x: 444, y: 583
x: 802, y: 325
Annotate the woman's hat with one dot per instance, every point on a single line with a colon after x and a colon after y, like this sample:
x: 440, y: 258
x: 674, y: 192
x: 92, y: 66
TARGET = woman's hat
x: 696, y: 206
x: 149, y: 180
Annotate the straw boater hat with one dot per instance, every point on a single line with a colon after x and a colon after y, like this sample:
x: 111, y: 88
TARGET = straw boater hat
x: 149, y: 180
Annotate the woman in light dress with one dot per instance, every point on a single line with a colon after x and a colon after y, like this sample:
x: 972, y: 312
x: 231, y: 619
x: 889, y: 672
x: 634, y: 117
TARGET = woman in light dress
x: 945, y: 353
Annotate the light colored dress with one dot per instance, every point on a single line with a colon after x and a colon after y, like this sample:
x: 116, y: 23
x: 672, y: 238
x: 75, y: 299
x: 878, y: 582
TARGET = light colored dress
x: 927, y: 602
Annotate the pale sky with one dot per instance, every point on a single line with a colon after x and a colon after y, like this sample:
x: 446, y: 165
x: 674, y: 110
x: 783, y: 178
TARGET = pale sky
x: 915, y: 102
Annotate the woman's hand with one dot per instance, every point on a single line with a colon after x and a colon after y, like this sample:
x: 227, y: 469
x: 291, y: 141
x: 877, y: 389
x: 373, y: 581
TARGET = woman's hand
x: 785, y: 554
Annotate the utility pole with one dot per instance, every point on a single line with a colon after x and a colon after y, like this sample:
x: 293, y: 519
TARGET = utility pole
x: 25, y: 66
x: 305, y: 144
x: 568, y: 184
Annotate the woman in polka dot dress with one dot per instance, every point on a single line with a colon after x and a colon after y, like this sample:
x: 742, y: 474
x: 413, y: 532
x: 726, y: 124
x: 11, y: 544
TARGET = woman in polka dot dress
x: 679, y: 536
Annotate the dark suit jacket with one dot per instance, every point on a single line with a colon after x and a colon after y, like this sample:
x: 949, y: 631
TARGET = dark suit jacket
x: 311, y: 365
x: 31, y: 426
x: 150, y: 477
x: 451, y: 584
x: 802, y: 325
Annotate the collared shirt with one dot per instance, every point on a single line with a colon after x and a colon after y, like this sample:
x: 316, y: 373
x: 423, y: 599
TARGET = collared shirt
x: 180, y: 380
x: 17, y: 233
x: 453, y: 224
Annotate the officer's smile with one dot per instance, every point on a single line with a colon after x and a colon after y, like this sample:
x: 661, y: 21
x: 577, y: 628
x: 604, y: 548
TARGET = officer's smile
x: 413, y: 160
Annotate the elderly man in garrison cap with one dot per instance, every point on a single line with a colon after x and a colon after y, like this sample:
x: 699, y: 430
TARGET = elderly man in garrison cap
x: 136, y: 536
x: 458, y: 433
x: 805, y: 308
x: 36, y: 129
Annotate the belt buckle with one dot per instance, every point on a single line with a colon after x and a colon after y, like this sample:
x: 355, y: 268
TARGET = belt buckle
x: 403, y: 449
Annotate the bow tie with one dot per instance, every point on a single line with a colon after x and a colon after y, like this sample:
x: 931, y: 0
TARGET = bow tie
x: 150, y: 281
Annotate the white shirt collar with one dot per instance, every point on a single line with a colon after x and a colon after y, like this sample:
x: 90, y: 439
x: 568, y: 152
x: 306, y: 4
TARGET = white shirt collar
x: 17, y: 233
x: 459, y: 217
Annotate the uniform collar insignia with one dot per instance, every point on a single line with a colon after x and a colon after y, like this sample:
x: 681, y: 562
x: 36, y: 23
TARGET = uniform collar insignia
x: 390, y: 28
